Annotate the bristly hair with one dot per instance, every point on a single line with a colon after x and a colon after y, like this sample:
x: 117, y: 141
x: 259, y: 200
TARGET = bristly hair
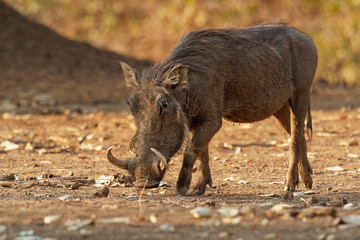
x: 204, y: 51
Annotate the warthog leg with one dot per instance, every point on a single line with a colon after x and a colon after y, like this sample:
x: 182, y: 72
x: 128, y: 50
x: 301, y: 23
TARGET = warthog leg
x: 298, y: 161
x: 204, y: 174
x: 199, y: 142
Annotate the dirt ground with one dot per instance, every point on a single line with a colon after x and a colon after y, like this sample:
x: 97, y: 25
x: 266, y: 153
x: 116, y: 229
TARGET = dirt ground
x: 62, y: 105
x: 47, y: 156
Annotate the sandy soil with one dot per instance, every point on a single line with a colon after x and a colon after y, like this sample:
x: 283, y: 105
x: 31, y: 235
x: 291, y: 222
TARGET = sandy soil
x: 61, y: 110
x: 57, y: 153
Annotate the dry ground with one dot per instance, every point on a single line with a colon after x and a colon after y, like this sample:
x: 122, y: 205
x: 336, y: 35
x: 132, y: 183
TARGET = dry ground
x: 58, y: 152
x: 53, y: 138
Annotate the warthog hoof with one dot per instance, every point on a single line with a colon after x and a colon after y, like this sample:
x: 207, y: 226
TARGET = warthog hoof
x: 289, y: 189
x: 197, y: 192
x: 182, y: 191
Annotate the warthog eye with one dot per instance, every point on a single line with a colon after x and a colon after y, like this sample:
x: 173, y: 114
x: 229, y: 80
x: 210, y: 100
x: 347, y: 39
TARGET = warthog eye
x: 163, y: 103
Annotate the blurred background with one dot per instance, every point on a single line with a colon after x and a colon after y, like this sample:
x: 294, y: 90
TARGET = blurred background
x: 137, y: 30
x: 148, y: 29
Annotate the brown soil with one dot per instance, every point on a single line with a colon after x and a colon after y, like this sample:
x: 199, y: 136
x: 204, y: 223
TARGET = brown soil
x: 63, y: 137
x: 34, y: 60
x: 56, y: 145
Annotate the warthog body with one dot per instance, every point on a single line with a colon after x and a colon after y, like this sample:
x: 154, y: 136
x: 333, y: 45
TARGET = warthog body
x: 243, y: 75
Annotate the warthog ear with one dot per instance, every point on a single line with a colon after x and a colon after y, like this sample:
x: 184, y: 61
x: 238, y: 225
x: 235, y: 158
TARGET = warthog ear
x: 130, y: 75
x: 177, y: 77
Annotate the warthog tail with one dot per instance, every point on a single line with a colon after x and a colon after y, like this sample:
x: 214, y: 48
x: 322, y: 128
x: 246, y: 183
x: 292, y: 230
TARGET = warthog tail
x: 309, y: 129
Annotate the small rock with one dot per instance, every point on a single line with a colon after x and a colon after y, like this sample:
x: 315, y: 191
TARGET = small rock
x: 271, y: 236
x: 310, y: 192
x: 153, y: 218
x: 348, y: 206
x: 288, y: 196
x: 353, y: 142
x: 264, y: 222
x: 281, y: 207
x: 42, y: 151
x: 79, y: 225
x: 2, y: 228
x: 338, y: 202
x: 28, y: 238
x: 228, y: 211
x: 299, y: 194
x: 225, y: 234
x: 9, y: 146
x: 228, y: 145
x: 232, y: 220
x: 8, y: 177
x: 352, y: 219
x: 65, y: 197
x: 104, y: 192
x: 242, y: 182
x: 29, y: 147
x: 125, y: 220
x: 51, y: 219
x: 166, y: 228
x: 311, y: 201
x: 74, y: 186
x: 201, y: 212
x: 26, y: 233
x: 331, y: 237
x: 343, y: 143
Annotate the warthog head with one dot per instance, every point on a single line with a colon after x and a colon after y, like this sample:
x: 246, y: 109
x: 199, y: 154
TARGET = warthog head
x: 160, y: 121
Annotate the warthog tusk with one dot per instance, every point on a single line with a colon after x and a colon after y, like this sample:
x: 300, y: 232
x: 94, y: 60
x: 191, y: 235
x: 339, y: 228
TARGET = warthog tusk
x: 163, y: 164
x: 115, y: 161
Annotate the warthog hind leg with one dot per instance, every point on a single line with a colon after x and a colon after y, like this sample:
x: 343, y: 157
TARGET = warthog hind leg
x: 298, y: 161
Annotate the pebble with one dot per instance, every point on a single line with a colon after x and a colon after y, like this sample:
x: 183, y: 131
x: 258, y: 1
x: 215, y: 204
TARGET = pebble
x: 28, y: 238
x: 65, y: 197
x: 311, y: 201
x: 125, y: 220
x: 353, y: 142
x: 166, y: 228
x: 74, y: 186
x: 338, y: 202
x: 104, y: 192
x: 228, y: 211
x: 201, y: 212
x: 352, y: 219
x: 348, y: 206
x: 9, y: 146
x: 79, y: 225
x: 281, y: 207
x: 299, y: 194
x: 51, y: 219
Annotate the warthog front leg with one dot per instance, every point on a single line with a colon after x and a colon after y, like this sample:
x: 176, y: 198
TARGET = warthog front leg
x: 298, y: 151
x: 204, y: 174
x: 199, y: 143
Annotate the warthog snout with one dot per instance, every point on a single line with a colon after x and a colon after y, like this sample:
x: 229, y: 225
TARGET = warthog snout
x: 148, y: 177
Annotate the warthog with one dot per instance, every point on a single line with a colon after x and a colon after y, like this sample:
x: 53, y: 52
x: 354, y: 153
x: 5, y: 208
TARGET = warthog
x: 242, y: 75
